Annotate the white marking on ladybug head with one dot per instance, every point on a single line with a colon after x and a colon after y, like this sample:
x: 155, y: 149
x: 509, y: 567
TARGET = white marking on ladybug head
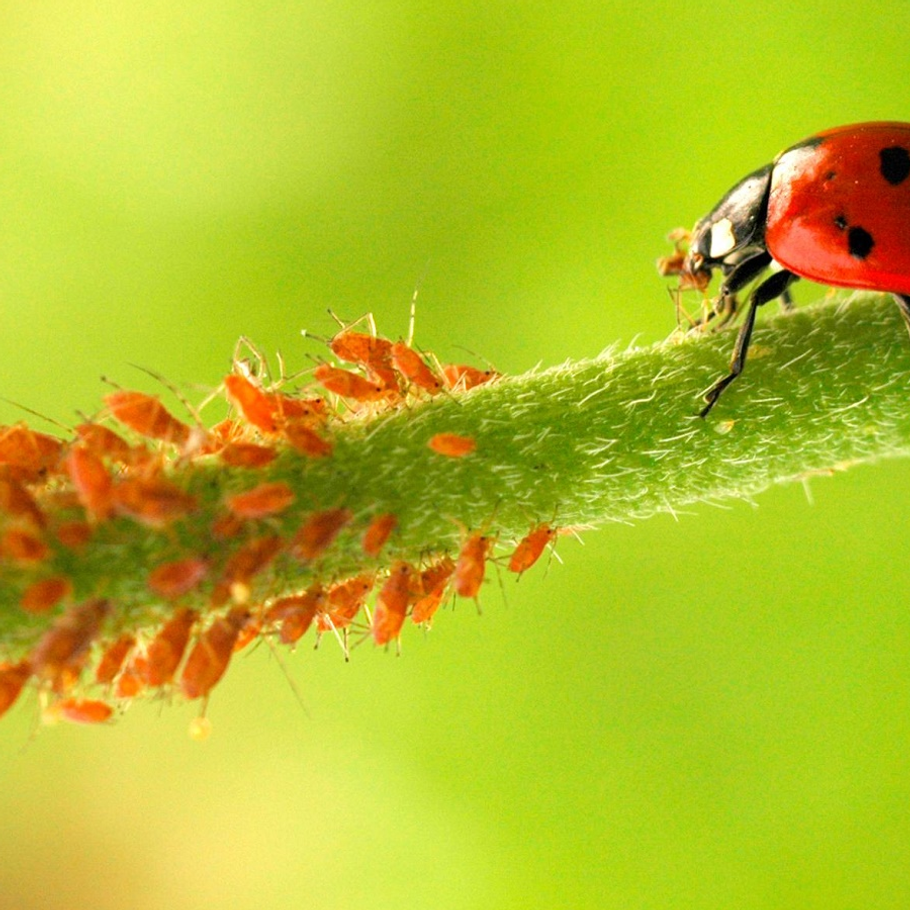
x: 723, y: 239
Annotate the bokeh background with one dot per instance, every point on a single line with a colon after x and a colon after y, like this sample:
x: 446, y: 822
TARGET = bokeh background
x: 702, y: 713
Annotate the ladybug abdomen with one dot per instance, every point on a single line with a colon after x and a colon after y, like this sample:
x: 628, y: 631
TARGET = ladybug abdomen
x: 839, y: 208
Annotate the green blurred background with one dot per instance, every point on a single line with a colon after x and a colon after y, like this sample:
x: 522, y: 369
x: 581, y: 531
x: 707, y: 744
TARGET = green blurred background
x: 706, y: 713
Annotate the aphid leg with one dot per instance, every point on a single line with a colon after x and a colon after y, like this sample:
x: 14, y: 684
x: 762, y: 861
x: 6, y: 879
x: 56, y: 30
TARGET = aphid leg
x: 768, y: 290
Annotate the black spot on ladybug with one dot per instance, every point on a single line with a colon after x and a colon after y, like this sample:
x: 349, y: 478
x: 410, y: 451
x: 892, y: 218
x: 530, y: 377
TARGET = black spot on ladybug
x: 895, y: 164
x: 841, y: 222
x: 830, y: 176
x: 859, y: 242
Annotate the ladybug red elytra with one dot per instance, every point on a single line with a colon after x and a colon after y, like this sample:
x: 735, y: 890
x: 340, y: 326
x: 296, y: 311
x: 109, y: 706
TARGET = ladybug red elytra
x: 834, y: 208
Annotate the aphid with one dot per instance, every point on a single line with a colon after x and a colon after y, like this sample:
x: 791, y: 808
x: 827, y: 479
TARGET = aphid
x: 132, y: 679
x: 105, y: 443
x: 13, y: 678
x: 377, y: 533
x: 348, y: 384
x: 307, y: 411
x: 17, y: 502
x: 79, y: 711
x: 28, y: 455
x: 432, y: 587
x: 391, y: 604
x: 318, y: 532
x: 246, y: 455
x: 471, y: 565
x: 462, y: 377
x: 62, y: 647
x: 452, y: 445
x: 833, y: 209
x: 296, y: 613
x: 22, y: 546
x: 209, y: 659
x: 111, y: 662
x: 166, y: 648
x: 153, y: 501
x: 44, y: 594
x: 171, y: 580
x: 254, y: 403
x: 147, y: 416
x: 531, y: 547
x: 262, y: 501
x: 344, y: 601
x: 371, y: 352
x: 73, y: 534
x: 93, y: 484
x: 306, y: 440
x: 251, y: 559
x: 412, y: 366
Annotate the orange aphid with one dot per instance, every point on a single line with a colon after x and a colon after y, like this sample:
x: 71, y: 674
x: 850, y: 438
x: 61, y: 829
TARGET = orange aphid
x: 40, y: 596
x: 414, y: 369
x: 250, y: 631
x: 306, y: 440
x: 146, y: 415
x: 369, y: 351
x: 12, y: 679
x: 61, y: 649
x: 251, y: 559
x: 286, y: 408
x: 28, y: 455
x: 22, y: 546
x: 360, y: 347
x: 132, y: 680
x: 105, y: 443
x: 74, y: 534
x: 112, y: 659
x: 153, y: 501
x: 463, y: 377
x: 255, y: 404
x: 80, y: 711
x: 431, y: 589
x: 471, y: 565
x: 391, y: 604
x: 318, y: 532
x: 348, y: 384
x: 91, y: 481
x: 452, y: 445
x: 167, y: 647
x: 377, y: 533
x: 246, y: 455
x: 344, y: 602
x: 171, y: 580
x: 262, y: 501
x: 16, y: 501
x: 531, y: 547
x: 296, y: 613
x: 211, y: 654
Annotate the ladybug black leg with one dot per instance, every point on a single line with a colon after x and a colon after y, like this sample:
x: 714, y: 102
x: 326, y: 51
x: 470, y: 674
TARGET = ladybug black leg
x: 903, y: 301
x: 770, y: 289
x: 735, y: 280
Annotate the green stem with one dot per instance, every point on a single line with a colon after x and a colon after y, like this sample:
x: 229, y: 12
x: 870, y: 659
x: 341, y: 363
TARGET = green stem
x: 610, y: 439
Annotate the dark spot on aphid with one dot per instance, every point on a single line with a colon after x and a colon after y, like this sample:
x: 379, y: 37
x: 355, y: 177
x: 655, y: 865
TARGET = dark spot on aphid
x: 841, y: 222
x: 895, y: 164
x: 830, y: 176
x: 859, y: 242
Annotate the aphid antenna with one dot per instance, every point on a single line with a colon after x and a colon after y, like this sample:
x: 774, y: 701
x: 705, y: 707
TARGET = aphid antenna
x: 52, y: 421
x: 295, y: 690
x: 258, y: 370
x: 347, y: 326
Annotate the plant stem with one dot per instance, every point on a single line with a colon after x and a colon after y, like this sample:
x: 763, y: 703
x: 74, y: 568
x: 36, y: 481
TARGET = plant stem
x: 610, y: 439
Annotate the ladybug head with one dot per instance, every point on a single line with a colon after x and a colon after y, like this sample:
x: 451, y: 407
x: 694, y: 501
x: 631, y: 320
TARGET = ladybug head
x: 734, y: 230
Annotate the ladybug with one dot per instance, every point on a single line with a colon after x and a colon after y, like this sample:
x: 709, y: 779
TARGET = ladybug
x: 834, y: 208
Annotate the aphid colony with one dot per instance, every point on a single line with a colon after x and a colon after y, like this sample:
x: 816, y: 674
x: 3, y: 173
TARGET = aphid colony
x: 56, y: 495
